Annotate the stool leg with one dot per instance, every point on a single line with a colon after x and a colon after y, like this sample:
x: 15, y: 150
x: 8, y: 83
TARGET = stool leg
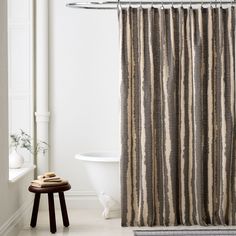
x: 52, y: 218
x: 63, y: 209
x: 35, y: 210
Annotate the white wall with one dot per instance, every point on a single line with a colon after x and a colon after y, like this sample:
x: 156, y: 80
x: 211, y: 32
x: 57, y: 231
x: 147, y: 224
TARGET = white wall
x: 14, y: 196
x: 3, y: 108
x: 84, y: 88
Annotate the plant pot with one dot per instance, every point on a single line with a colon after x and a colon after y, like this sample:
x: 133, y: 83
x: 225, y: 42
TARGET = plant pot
x: 15, y: 160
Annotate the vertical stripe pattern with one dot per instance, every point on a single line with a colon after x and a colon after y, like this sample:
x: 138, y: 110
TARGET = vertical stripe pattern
x: 178, y: 116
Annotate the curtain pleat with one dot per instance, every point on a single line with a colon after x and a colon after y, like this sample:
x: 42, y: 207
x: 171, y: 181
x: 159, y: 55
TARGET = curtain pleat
x: 178, y: 116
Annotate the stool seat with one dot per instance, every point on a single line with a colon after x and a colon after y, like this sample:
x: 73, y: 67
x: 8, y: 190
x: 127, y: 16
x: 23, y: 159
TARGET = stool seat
x: 50, y: 191
x: 56, y: 189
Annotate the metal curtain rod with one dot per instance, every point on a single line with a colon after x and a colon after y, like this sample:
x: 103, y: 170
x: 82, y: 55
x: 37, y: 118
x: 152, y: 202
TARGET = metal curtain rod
x: 112, y: 5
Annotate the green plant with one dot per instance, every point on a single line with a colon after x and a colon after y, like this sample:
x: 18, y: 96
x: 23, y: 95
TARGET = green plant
x: 25, y: 141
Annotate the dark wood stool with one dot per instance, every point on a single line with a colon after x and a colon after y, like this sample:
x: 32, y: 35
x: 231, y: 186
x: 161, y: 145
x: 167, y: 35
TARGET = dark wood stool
x: 50, y: 190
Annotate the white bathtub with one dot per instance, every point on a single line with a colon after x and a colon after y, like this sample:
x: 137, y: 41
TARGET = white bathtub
x: 103, y: 171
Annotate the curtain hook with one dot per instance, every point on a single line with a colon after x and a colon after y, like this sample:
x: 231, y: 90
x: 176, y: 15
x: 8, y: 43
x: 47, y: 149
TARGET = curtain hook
x: 162, y: 6
x: 182, y: 3
x: 152, y: 3
x: 172, y: 4
x: 190, y: 4
x: 220, y: 3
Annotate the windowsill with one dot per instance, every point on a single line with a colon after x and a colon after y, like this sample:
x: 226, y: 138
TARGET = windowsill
x: 16, y: 174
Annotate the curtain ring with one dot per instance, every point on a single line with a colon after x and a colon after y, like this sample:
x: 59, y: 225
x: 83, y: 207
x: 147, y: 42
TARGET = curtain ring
x: 119, y: 5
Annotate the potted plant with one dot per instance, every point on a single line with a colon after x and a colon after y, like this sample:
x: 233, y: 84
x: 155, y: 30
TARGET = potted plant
x: 22, y: 140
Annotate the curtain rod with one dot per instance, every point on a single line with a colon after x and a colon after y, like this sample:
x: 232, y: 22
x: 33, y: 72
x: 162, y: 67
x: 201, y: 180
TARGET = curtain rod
x: 112, y: 5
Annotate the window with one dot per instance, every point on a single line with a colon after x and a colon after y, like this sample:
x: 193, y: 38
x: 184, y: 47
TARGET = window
x: 20, y: 69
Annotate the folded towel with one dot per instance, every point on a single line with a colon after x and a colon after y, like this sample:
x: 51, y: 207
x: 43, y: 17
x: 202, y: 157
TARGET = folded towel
x: 49, y: 174
x: 40, y: 184
x: 43, y: 178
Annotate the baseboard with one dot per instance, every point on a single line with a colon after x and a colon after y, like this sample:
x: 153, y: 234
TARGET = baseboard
x: 16, y: 222
x: 82, y: 200
x: 74, y: 200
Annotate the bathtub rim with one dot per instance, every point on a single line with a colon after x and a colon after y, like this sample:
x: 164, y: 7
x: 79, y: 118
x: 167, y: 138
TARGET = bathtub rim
x: 91, y: 157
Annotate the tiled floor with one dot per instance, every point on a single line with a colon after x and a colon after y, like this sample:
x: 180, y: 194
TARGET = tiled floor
x: 82, y: 223
x: 87, y: 223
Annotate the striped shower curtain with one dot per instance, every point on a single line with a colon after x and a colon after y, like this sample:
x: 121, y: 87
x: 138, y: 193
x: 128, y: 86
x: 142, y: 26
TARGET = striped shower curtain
x: 178, y: 160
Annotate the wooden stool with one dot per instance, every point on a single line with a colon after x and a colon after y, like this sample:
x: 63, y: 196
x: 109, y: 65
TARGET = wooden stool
x: 50, y: 190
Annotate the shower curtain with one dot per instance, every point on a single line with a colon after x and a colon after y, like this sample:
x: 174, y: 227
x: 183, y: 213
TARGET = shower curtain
x: 178, y: 160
